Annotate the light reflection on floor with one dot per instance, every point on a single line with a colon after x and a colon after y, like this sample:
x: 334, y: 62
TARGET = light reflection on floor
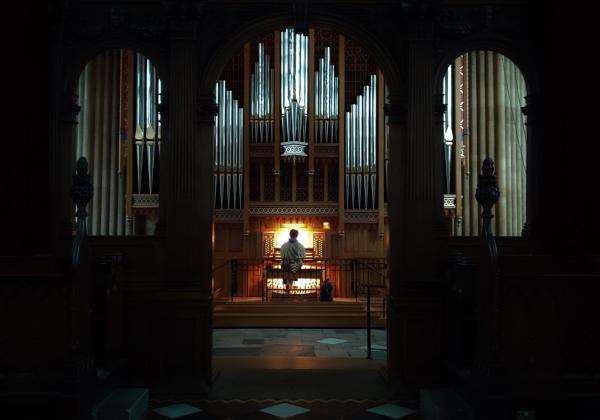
x: 289, y: 342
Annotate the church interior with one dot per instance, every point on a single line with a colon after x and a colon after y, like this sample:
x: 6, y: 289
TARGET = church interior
x: 423, y: 152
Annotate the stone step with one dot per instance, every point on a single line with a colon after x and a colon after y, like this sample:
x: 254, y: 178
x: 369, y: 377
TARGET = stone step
x: 123, y: 404
x: 444, y: 404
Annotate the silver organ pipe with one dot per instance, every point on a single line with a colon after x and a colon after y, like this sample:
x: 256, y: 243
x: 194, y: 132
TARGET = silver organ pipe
x: 261, y: 99
x: 140, y: 116
x: 294, y: 92
x: 147, y: 123
x: 159, y: 122
x: 373, y: 137
x: 228, y: 149
x: 294, y: 68
x: 361, y: 149
x: 326, y: 100
x: 151, y: 117
x: 448, y: 135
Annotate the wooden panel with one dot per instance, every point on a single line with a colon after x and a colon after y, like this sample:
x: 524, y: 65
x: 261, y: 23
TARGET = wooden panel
x: 362, y: 240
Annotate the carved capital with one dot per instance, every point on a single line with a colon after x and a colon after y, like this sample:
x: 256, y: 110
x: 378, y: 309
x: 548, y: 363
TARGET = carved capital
x: 439, y: 109
x: 206, y: 108
x: 70, y: 108
x: 531, y: 109
x: 396, y: 112
x: 163, y: 109
x: 184, y: 17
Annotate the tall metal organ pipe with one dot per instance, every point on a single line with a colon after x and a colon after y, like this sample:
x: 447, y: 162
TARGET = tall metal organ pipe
x: 261, y: 99
x: 294, y: 93
x: 147, y: 123
x: 361, y: 149
x: 294, y: 68
x: 326, y: 100
x: 228, y: 149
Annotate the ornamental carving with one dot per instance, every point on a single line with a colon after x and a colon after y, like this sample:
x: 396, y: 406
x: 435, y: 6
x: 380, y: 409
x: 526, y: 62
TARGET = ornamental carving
x: 361, y: 217
x: 229, y: 216
x: 292, y: 211
x: 146, y: 200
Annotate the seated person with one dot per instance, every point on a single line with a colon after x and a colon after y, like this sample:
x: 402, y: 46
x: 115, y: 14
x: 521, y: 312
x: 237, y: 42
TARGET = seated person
x: 326, y: 291
x: 292, y: 254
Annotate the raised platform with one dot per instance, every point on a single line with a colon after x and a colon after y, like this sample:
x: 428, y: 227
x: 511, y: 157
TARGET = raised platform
x: 295, y: 312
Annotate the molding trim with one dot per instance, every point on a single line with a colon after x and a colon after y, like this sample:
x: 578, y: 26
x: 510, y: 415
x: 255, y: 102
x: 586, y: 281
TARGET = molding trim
x: 145, y: 201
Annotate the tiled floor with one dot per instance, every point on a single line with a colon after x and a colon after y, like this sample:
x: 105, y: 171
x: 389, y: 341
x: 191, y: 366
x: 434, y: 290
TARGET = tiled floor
x: 290, y: 342
x: 273, y: 410
x: 278, y: 373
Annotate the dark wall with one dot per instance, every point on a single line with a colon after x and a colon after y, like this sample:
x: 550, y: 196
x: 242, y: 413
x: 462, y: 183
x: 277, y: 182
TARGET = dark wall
x: 24, y: 169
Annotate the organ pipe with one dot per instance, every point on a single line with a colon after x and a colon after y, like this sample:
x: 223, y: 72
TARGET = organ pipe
x: 148, y: 129
x: 294, y: 93
x: 294, y: 68
x: 261, y: 99
x: 361, y: 149
x: 326, y: 100
x: 228, y: 152
x: 448, y: 135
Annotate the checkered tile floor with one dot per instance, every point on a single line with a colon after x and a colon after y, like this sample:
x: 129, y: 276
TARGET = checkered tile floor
x: 289, y: 409
x: 307, y: 342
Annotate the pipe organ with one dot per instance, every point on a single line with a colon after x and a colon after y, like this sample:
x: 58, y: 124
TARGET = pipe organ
x: 361, y: 149
x: 228, y: 149
x: 312, y: 142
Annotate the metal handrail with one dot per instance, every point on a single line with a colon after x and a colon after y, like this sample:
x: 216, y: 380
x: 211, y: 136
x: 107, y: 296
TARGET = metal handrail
x: 369, y: 286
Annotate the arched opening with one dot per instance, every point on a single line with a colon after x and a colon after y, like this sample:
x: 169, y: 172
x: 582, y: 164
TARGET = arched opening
x: 484, y: 92
x: 299, y: 143
x: 120, y: 134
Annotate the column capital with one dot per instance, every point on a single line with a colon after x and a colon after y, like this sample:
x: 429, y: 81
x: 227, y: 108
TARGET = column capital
x: 70, y: 108
x: 163, y: 108
x: 439, y: 108
x: 396, y: 110
x: 184, y: 17
x: 206, y: 108
x: 531, y: 109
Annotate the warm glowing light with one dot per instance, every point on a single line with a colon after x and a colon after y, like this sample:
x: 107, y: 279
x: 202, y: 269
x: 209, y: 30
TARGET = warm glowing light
x: 293, y: 225
x: 326, y: 225
x: 299, y: 287
x: 305, y: 236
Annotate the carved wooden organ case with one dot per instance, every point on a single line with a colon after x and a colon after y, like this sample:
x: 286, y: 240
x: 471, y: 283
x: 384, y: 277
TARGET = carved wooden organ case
x: 299, y: 140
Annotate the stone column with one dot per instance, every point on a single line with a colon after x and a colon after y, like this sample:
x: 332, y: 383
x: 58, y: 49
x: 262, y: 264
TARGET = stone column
x: 64, y: 111
x: 187, y: 203
x: 532, y: 166
x: 415, y: 214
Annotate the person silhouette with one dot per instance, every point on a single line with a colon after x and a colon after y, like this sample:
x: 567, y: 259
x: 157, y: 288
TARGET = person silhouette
x: 327, y: 291
x: 292, y: 255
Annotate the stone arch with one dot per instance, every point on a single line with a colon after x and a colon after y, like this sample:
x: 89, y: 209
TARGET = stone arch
x: 75, y: 63
x: 526, y: 65
x: 377, y: 48
x: 517, y: 55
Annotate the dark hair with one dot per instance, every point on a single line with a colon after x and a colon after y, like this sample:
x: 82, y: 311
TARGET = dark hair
x: 293, y: 233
